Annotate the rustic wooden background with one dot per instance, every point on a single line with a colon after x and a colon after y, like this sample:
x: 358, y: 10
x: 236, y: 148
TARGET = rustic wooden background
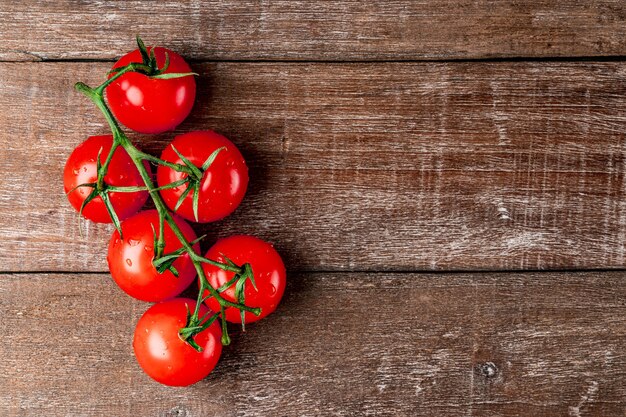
x: 445, y: 180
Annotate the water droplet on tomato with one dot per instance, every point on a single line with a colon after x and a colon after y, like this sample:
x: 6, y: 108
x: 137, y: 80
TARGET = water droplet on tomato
x: 147, y: 248
x: 129, y: 262
x: 84, y: 169
x: 272, y: 290
x: 81, y: 191
x: 117, y: 241
x: 133, y: 242
x: 75, y: 171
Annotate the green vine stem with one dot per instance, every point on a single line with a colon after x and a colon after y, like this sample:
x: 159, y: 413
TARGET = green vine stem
x: 195, y: 324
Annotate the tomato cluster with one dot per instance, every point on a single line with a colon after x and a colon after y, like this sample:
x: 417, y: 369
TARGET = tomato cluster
x: 154, y: 255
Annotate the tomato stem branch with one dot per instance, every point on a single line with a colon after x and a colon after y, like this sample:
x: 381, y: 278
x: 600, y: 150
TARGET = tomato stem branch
x: 193, y: 326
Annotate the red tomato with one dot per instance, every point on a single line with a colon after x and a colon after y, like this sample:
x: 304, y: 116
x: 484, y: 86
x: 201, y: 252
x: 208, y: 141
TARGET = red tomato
x: 267, y: 267
x: 223, y: 184
x: 150, y: 105
x: 164, y: 356
x: 81, y: 168
x: 130, y: 260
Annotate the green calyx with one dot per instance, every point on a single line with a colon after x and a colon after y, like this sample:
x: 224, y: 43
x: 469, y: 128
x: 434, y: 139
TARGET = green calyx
x: 149, y: 65
x: 194, y: 179
x: 242, y: 275
x: 197, y: 325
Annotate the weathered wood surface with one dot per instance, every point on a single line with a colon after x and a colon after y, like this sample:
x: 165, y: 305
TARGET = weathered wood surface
x: 314, y: 30
x: 355, y: 166
x: 532, y: 344
x: 383, y: 166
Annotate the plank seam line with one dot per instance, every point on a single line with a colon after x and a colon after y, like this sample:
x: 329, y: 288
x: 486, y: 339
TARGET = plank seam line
x: 585, y: 58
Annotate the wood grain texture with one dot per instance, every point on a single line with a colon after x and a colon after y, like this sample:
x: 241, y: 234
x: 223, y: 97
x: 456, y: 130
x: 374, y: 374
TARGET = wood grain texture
x: 315, y: 30
x: 531, y: 344
x: 357, y: 166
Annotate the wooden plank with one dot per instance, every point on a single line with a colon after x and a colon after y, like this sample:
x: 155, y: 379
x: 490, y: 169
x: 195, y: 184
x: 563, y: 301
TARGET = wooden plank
x: 548, y: 344
x: 391, y: 166
x: 315, y: 30
x: 357, y: 166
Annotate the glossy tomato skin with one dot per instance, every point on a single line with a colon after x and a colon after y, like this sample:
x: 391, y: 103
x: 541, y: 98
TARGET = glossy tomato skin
x: 223, y: 185
x: 130, y: 259
x: 150, y: 105
x: 81, y: 168
x: 268, y: 269
x: 164, y: 356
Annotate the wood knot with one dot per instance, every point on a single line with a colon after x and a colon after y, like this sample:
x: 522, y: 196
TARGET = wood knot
x: 488, y: 369
x: 178, y: 412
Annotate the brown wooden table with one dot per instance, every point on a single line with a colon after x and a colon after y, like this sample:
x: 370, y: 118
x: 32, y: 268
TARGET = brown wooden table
x: 445, y: 181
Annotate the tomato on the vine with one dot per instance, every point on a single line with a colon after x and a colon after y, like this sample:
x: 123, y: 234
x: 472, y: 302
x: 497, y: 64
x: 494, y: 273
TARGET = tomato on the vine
x: 152, y: 105
x: 223, y: 184
x: 81, y: 168
x: 163, y: 354
x: 130, y: 259
x: 267, y: 267
x: 153, y: 255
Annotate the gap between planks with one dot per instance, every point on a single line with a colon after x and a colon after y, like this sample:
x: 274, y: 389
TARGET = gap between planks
x: 585, y: 58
